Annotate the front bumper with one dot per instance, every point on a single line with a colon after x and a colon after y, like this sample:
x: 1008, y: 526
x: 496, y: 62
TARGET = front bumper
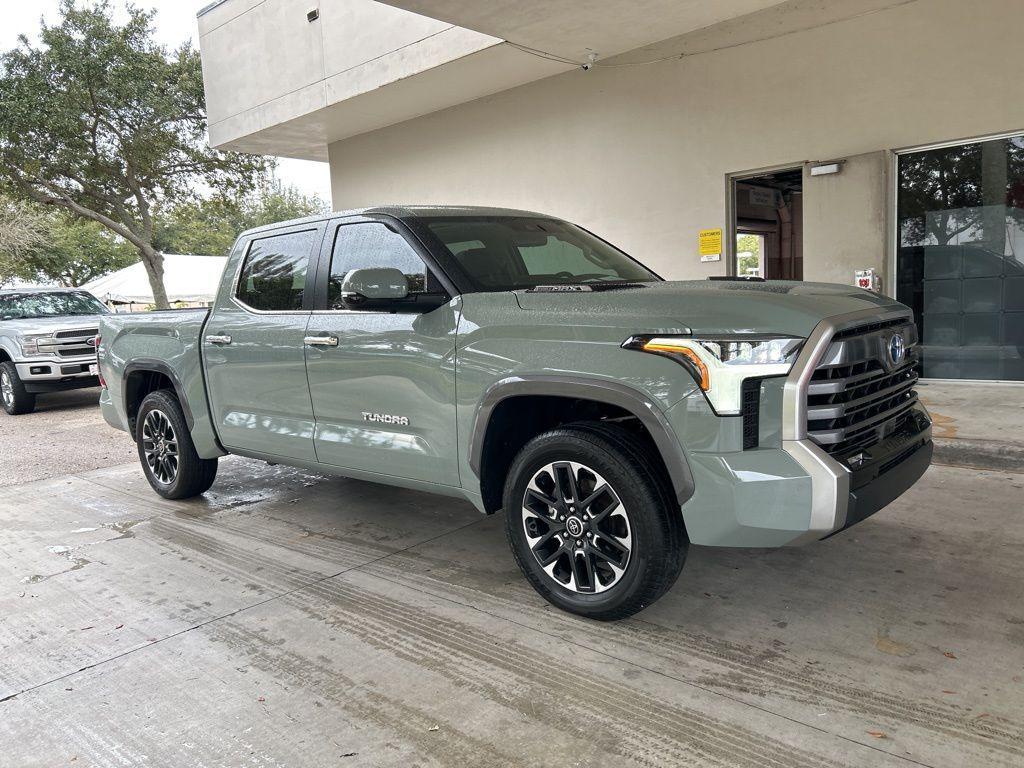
x: 54, y: 374
x: 797, y: 492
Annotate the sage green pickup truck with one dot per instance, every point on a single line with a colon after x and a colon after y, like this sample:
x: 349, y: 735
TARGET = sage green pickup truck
x: 520, y: 362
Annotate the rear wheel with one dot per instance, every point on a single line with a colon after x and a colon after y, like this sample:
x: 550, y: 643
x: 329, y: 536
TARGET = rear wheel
x: 166, y: 451
x: 16, y: 400
x: 592, y: 523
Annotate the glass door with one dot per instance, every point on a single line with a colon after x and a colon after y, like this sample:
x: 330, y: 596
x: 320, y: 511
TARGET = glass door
x: 960, y: 257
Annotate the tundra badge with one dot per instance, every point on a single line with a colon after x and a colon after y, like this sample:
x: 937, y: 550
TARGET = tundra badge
x: 386, y: 418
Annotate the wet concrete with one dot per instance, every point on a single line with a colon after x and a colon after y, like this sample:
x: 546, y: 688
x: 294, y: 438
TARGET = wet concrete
x: 293, y: 619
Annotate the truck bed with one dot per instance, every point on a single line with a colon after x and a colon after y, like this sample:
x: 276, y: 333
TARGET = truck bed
x: 165, y: 341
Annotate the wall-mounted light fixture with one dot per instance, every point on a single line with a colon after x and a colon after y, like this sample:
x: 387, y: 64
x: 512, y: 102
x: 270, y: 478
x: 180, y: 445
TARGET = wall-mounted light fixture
x: 824, y: 169
x: 312, y: 15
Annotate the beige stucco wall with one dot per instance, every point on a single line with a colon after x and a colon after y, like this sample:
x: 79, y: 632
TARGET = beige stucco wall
x: 264, y: 64
x: 640, y: 154
x: 846, y: 218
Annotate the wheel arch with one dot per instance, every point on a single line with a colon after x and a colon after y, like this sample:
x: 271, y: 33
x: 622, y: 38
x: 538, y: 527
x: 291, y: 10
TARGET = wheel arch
x: 487, y: 458
x: 144, y: 376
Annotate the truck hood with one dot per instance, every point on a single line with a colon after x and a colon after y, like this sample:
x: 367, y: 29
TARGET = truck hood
x: 30, y: 325
x: 710, y: 306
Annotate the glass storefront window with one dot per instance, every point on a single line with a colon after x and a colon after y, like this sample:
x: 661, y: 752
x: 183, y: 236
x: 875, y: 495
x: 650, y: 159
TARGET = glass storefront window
x: 960, y: 257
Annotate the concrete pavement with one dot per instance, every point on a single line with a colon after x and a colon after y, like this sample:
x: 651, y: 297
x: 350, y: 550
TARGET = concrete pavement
x: 64, y: 434
x: 292, y: 619
x: 976, y: 424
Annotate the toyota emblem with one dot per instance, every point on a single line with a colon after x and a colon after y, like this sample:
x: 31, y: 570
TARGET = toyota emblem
x: 897, y: 349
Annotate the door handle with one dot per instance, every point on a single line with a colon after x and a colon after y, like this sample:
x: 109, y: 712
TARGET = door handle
x: 218, y: 339
x: 321, y: 341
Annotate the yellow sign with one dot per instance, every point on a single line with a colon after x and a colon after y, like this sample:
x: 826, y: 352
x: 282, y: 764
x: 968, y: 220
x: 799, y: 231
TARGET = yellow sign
x: 710, y: 242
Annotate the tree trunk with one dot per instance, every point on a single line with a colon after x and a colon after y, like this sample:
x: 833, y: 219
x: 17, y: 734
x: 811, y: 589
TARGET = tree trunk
x: 994, y: 178
x: 153, y: 260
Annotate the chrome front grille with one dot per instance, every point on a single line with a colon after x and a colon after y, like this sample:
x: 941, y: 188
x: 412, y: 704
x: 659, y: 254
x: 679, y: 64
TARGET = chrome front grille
x: 75, y: 343
x: 858, y: 395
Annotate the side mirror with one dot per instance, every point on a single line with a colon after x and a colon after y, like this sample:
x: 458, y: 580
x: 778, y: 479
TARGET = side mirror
x: 361, y: 287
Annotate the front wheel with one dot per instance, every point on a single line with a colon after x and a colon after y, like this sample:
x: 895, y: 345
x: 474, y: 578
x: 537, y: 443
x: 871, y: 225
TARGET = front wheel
x: 168, y: 456
x: 591, y: 521
x: 16, y: 399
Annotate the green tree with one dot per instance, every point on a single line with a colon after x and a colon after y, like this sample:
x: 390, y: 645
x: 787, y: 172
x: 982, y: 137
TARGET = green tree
x: 748, y: 244
x: 102, y: 121
x: 210, y: 226
x: 22, y: 229
x: 70, y: 252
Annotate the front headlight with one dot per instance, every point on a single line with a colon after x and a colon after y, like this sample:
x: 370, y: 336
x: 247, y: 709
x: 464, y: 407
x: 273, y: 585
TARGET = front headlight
x: 720, y: 365
x: 30, y: 344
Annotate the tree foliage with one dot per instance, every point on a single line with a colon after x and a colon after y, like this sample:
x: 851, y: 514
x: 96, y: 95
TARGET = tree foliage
x: 104, y: 122
x: 67, y: 250
x: 210, y: 226
x: 968, y: 190
x: 748, y: 250
x: 22, y: 229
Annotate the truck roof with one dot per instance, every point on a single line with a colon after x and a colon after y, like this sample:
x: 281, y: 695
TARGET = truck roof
x: 403, y: 212
x: 39, y: 289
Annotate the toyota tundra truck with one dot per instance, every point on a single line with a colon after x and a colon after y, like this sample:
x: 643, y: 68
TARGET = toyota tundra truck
x: 524, y: 364
x: 47, y: 338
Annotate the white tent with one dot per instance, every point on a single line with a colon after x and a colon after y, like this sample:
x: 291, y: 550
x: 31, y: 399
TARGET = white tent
x: 187, y: 278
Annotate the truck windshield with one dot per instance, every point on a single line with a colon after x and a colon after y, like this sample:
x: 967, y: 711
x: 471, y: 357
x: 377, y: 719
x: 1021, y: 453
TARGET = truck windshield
x: 14, y: 306
x: 502, y: 253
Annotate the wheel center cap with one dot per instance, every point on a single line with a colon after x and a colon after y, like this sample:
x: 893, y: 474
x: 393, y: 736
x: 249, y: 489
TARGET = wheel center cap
x: 574, y: 526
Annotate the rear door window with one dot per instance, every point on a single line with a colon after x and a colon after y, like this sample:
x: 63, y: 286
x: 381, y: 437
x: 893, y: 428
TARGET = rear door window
x: 273, y: 277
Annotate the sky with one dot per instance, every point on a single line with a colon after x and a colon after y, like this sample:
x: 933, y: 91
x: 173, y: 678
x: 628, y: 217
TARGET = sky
x: 175, y: 23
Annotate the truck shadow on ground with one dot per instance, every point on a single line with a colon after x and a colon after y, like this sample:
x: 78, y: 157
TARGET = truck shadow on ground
x: 74, y: 400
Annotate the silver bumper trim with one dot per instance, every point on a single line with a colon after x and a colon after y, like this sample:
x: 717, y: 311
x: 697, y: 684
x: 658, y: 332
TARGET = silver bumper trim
x: 830, y: 489
x: 25, y: 373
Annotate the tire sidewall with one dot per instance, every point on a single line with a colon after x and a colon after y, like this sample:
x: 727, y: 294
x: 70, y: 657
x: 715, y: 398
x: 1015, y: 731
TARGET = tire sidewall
x: 634, y: 494
x: 23, y: 401
x: 168, y: 404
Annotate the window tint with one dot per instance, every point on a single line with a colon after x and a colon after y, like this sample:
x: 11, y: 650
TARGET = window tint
x: 274, y: 274
x: 468, y: 245
x: 500, y: 253
x: 49, y: 304
x: 559, y: 256
x: 372, y: 246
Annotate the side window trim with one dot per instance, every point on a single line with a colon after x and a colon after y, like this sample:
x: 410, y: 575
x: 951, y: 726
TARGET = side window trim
x: 323, y: 272
x: 312, y: 267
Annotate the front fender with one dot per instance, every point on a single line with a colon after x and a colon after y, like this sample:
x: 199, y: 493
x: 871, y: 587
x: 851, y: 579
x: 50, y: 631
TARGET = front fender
x: 10, y: 348
x: 613, y: 393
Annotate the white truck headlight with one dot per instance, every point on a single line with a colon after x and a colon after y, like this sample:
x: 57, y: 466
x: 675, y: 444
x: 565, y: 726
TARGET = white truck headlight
x: 30, y: 344
x: 720, y: 365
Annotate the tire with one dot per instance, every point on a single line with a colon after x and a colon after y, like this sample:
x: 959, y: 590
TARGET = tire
x: 166, y: 451
x: 16, y: 400
x: 612, y: 564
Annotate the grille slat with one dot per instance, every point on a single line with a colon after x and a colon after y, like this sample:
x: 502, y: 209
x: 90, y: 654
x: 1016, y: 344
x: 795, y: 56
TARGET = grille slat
x: 904, y: 380
x: 83, y: 333
x: 833, y: 436
x: 76, y: 351
x: 857, y: 397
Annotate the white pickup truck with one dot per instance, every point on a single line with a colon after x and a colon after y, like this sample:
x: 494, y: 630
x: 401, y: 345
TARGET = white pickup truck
x: 47, y: 343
